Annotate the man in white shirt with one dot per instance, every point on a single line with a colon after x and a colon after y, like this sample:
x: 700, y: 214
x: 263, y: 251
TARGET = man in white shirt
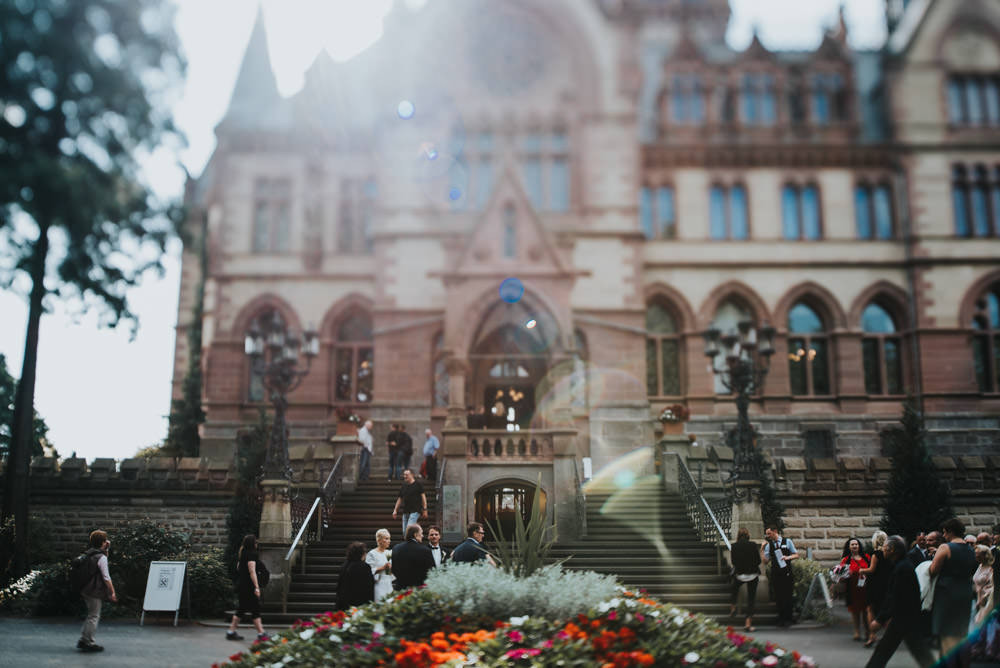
x: 367, y: 448
x: 431, y: 446
x: 780, y: 552
x: 439, y: 552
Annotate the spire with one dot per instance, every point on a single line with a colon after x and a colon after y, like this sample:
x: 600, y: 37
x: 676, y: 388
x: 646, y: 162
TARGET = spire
x: 256, y: 89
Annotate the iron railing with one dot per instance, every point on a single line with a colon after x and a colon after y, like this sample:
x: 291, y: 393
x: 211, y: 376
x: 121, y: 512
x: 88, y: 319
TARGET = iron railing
x: 712, y: 520
x: 439, y: 500
x: 326, y: 497
x: 581, y: 503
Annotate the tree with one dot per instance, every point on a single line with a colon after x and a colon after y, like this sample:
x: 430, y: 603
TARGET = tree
x: 186, y: 413
x: 83, y: 86
x: 40, y: 430
x: 917, y: 499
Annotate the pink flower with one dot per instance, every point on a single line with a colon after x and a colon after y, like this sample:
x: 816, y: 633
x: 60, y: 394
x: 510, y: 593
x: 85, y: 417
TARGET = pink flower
x: 515, y: 636
x: 613, y: 615
x: 547, y: 644
x: 640, y: 617
x: 522, y: 653
x: 562, y: 635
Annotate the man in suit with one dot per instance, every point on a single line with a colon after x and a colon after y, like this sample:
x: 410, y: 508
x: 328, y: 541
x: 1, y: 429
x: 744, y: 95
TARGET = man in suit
x: 780, y: 552
x: 918, y: 552
x: 438, y: 551
x: 900, y: 612
x: 472, y: 549
x: 411, y: 559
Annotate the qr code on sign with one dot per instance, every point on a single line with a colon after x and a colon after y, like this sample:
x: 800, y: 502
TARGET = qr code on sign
x: 163, y: 581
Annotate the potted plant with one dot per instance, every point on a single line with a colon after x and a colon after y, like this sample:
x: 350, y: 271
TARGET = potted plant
x: 348, y: 422
x: 673, y: 418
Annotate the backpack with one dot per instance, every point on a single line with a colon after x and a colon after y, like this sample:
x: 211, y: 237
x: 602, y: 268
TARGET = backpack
x: 83, y: 570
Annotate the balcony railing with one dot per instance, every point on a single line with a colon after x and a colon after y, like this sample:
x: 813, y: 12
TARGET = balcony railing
x: 496, y: 445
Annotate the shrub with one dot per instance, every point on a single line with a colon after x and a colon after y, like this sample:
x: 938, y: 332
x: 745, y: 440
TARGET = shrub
x: 208, y: 581
x: 133, y: 546
x: 803, y: 572
x: 40, y: 547
x: 549, y: 591
x: 624, y: 630
x: 245, y: 508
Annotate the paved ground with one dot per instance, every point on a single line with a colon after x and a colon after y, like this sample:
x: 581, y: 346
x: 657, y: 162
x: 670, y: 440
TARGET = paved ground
x: 42, y: 642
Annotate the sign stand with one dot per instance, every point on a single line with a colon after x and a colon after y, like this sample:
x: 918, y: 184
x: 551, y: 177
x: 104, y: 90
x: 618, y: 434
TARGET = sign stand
x: 164, y: 585
x: 818, y: 583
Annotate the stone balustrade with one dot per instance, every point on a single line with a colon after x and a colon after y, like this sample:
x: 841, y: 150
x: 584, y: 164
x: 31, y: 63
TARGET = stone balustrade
x: 497, y: 445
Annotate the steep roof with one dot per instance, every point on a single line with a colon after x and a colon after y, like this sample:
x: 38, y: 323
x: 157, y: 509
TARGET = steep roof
x: 256, y: 103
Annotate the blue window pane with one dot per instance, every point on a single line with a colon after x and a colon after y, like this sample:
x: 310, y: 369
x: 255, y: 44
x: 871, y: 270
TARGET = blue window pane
x: 993, y: 309
x: 992, y: 102
x: 738, y: 212
x: 749, y: 100
x: 810, y: 213
x: 717, y: 213
x: 973, y: 100
x: 697, y: 101
x: 679, y: 99
x: 962, y: 227
x: 995, y: 196
x: 955, y: 114
x: 821, y: 107
x: 533, y: 181
x: 980, y: 213
x: 768, y: 106
x: 803, y: 320
x: 531, y: 143
x: 560, y: 142
x: 484, y: 182
x: 876, y: 320
x: 559, y: 185
x: 862, y: 212
x: 666, y: 222
x: 883, y: 212
x: 790, y: 212
x: 646, y: 212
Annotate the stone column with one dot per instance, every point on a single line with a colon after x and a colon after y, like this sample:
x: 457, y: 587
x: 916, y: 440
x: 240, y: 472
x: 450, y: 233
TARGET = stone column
x: 457, y: 370
x: 275, y: 536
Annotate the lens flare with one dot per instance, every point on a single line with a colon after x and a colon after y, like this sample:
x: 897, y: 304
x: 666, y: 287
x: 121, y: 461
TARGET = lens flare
x: 405, y: 110
x: 511, y: 290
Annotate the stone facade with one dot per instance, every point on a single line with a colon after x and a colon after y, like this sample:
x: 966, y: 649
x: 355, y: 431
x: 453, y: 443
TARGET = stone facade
x: 613, y: 157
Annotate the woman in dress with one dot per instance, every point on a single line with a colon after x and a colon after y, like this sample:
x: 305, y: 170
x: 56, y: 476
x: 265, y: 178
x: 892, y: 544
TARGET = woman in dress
x: 982, y: 582
x: 745, y: 556
x: 356, y: 584
x: 877, y: 580
x: 856, y: 595
x: 954, y: 563
x: 247, y: 589
x: 378, y: 560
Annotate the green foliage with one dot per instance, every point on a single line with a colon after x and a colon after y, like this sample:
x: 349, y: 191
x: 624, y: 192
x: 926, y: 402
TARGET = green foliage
x: 803, y: 572
x: 40, y: 430
x: 527, y: 550
x: 133, y: 546
x: 917, y: 499
x: 186, y: 413
x: 40, y: 545
x: 208, y: 581
x: 244, y: 510
x: 550, y: 591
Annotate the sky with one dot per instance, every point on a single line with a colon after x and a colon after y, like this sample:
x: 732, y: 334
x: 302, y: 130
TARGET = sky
x: 104, y: 394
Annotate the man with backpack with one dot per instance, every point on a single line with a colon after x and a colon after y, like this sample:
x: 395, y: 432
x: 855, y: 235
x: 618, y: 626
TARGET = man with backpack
x: 90, y: 573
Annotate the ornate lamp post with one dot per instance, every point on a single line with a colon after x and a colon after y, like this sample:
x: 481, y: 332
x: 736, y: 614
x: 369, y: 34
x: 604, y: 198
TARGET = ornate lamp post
x: 274, y: 356
x: 746, y: 357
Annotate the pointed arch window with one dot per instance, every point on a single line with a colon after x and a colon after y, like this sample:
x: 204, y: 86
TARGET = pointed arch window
x: 663, y: 375
x: 881, y: 351
x: 986, y: 341
x: 808, y: 352
x: 354, y: 359
x: 727, y: 318
x: 255, y: 385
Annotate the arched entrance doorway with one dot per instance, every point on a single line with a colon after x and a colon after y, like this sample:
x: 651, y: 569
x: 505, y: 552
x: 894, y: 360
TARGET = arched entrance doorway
x: 510, y: 359
x: 498, y: 502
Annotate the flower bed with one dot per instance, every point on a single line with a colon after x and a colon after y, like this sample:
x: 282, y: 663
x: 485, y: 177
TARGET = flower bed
x: 425, y: 628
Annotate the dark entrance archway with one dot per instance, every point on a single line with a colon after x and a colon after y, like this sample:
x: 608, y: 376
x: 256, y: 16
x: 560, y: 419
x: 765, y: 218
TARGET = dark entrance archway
x: 497, y: 503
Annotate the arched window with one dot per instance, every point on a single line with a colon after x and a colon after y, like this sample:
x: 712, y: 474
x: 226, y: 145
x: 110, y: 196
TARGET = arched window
x: 727, y: 317
x: 442, y: 381
x: 354, y: 359
x: 986, y: 341
x: 881, y: 352
x: 255, y: 385
x: 578, y: 377
x: 808, y: 352
x: 663, y: 373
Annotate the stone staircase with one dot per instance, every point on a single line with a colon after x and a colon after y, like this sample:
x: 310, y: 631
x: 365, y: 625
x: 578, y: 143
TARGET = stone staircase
x: 356, y: 516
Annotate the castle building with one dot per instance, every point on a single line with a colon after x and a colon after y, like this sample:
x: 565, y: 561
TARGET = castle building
x: 535, y: 209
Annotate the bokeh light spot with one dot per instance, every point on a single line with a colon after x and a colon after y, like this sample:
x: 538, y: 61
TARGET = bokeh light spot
x: 454, y: 194
x: 511, y: 290
x: 405, y: 109
x: 531, y: 324
x: 624, y: 479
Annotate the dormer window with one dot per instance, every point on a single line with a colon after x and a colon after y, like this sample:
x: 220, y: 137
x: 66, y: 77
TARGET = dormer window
x: 973, y: 100
x: 758, y: 99
x: 687, y: 100
x: 828, y: 98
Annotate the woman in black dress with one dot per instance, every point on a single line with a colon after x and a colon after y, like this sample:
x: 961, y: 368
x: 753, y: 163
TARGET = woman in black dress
x: 954, y: 563
x: 877, y: 575
x: 356, y: 584
x: 247, y: 589
x: 745, y: 556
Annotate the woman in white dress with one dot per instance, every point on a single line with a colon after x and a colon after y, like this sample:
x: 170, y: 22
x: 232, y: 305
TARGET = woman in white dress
x: 381, y: 567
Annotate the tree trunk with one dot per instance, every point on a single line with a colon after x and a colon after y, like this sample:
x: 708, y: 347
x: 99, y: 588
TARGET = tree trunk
x: 15, y: 501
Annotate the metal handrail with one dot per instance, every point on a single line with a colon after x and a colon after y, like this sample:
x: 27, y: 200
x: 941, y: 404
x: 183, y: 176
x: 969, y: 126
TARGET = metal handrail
x: 438, y: 484
x: 321, y: 495
x: 697, y: 506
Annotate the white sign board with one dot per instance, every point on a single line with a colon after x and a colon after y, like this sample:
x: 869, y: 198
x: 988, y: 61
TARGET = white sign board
x: 164, y: 586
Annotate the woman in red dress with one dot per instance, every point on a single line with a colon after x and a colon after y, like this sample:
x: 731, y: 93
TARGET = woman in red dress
x: 857, y: 599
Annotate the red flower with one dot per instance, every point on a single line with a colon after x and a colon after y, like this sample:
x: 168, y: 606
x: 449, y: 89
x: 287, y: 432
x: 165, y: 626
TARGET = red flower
x: 236, y: 657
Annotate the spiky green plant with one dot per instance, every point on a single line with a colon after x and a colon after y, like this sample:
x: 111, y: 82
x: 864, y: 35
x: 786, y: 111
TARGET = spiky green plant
x: 527, y: 550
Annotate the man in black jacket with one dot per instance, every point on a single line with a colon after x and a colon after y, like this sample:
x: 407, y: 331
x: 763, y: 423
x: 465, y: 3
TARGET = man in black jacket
x: 900, y: 610
x: 411, y: 560
x: 918, y: 553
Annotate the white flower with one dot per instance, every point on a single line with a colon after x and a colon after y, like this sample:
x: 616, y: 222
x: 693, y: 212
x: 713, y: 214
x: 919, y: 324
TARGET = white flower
x: 379, y: 629
x: 750, y: 663
x: 679, y: 620
x: 691, y: 657
x: 334, y: 638
x: 307, y: 634
x: 779, y: 652
x: 517, y: 621
x: 769, y: 660
x: 631, y: 603
x: 654, y: 613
